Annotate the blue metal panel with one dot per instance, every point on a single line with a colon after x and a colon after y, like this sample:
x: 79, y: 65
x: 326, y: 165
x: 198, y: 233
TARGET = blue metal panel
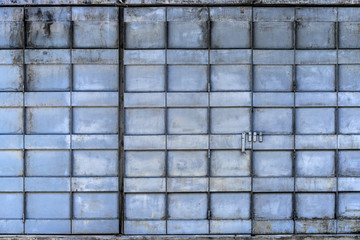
x: 230, y: 205
x: 11, y: 121
x: 11, y: 78
x: 95, y: 120
x: 144, y: 206
x: 273, y: 206
x: 11, y: 163
x: 349, y: 164
x: 11, y: 184
x: 273, y: 78
x: 95, y: 163
x: 187, y: 206
x: 187, y: 78
x: 95, y: 205
x: 95, y: 77
x: 144, y: 163
x: 48, y: 205
x: 307, y: 205
x: 95, y: 226
x: 187, y: 163
x: 103, y: 26
x: 272, y: 163
x: 315, y: 164
x: 145, y: 227
x: 145, y: 121
x: 230, y: 34
x: 47, y: 227
x: 11, y: 205
x: 11, y: 226
x: 229, y: 163
x: 47, y: 120
x: 230, y: 120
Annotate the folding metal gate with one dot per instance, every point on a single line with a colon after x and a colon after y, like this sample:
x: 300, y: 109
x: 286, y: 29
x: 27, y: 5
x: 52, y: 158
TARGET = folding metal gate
x: 241, y: 120
x: 236, y: 120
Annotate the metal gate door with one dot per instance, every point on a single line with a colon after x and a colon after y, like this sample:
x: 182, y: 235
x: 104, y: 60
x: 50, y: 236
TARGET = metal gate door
x: 237, y: 120
x: 59, y: 120
x: 241, y: 120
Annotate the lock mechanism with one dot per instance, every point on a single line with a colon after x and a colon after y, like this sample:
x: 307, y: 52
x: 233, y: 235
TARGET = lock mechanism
x: 252, y: 137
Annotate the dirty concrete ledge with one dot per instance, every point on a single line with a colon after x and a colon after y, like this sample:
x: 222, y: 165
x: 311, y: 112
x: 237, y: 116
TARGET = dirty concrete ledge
x: 183, y: 237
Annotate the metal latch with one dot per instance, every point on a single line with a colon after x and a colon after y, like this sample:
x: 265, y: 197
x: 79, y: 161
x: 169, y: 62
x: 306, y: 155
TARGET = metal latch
x: 252, y: 137
x: 243, y: 142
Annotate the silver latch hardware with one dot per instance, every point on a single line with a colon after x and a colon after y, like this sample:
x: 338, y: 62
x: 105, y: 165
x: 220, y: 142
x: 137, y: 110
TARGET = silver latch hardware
x: 243, y: 142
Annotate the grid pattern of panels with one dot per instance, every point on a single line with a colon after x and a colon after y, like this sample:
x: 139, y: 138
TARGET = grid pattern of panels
x: 196, y: 78
x: 59, y: 120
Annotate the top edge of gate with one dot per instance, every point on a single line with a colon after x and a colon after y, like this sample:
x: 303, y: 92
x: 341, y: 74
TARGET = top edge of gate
x: 182, y: 2
x: 181, y: 237
x: 58, y: 2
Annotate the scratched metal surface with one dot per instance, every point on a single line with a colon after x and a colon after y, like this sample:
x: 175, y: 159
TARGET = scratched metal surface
x: 194, y: 82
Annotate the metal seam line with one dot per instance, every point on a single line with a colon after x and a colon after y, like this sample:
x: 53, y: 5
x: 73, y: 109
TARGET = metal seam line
x: 166, y: 122
x: 71, y: 122
x: 208, y: 120
x: 24, y: 119
x: 294, y: 124
x: 121, y: 90
x: 337, y: 121
x: 252, y: 169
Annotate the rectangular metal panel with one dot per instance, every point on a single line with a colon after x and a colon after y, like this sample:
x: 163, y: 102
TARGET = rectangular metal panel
x: 48, y: 205
x: 273, y: 206
x: 272, y: 163
x: 144, y: 206
x: 309, y: 201
x: 187, y: 206
x: 230, y: 205
x: 187, y: 163
x: 12, y: 205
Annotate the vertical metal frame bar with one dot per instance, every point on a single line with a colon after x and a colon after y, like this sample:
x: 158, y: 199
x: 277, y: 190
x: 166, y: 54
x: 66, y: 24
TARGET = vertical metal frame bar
x: 208, y: 119
x: 166, y: 122
x: 24, y: 119
x: 294, y: 123
x: 252, y: 170
x: 121, y: 116
x: 71, y: 121
x: 337, y: 37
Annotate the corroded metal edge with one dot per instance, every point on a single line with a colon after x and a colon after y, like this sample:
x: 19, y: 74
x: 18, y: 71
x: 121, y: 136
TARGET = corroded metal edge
x: 251, y: 2
x: 184, y: 2
x: 58, y: 2
x: 184, y: 237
